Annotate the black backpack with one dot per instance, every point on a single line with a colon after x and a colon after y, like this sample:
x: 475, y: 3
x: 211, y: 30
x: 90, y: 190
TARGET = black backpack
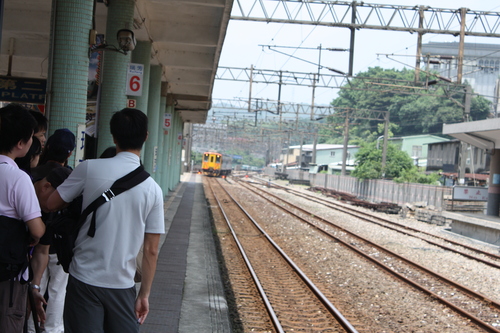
x: 14, y: 243
x: 64, y: 227
x: 66, y: 224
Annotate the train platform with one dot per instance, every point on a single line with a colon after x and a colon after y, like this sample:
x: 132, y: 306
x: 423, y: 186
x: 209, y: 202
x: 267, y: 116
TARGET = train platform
x: 481, y: 227
x: 187, y: 293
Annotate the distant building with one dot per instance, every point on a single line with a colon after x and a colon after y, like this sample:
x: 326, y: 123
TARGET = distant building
x: 481, y: 66
x: 416, y: 146
x: 325, y: 155
x: 445, y: 156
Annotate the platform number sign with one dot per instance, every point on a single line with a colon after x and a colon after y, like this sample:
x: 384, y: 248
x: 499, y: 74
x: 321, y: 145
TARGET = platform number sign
x: 167, y: 121
x: 134, y: 79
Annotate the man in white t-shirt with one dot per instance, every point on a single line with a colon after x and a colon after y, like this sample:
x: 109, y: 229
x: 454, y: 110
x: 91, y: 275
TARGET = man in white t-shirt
x: 101, y: 291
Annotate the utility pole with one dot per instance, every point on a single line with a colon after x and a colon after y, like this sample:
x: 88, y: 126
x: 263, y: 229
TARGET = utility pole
x: 419, y: 43
x: 250, y: 90
x: 384, y: 150
x: 287, y: 151
x: 463, y: 145
x: 300, y: 151
x: 313, y: 93
x: 279, y: 92
x: 315, y: 143
x: 461, y: 43
x: 351, y: 44
x: 346, y: 140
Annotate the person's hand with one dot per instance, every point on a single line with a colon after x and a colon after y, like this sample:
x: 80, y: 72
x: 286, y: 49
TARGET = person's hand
x: 141, y: 309
x: 40, y: 302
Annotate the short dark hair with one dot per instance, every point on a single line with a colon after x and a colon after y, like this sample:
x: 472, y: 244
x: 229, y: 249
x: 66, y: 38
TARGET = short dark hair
x: 40, y: 119
x: 129, y: 127
x: 24, y: 163
x: 108, y: 152
x: 57, y: 176
x: 16, y: 124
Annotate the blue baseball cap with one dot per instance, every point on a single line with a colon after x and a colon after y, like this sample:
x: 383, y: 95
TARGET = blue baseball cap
x: 62, y: 140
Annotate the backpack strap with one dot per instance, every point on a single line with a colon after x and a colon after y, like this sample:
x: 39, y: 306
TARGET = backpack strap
x: 121, y: 185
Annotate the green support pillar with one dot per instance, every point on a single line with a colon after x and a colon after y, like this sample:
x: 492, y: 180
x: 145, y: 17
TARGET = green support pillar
x: 180, y: 165
x: 160, y: 167
x: 177, y: 160
x: 114, y: 74
x: 173, y: 149
x: 69, y: 66
x: 151, y: 148
x: 142, y: 55
x: 167, y: 152
x: 493, y: 204
x: 174, y: 159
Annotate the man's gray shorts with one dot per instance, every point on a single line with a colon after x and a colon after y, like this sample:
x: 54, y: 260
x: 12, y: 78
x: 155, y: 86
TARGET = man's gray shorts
x: 90, y: 309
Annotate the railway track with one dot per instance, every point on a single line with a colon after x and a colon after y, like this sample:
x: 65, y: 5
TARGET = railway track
x: 488, y: 258
x: 292, y: 302
x: 479, y: 309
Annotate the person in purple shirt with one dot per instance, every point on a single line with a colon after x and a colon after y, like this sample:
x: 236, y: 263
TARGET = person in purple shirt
x: 18, y: 204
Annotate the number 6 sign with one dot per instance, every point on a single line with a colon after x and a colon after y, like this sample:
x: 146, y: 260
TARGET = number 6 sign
x: 134, y: 79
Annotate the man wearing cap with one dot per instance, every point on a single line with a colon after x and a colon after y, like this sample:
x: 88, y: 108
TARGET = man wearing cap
x: 57, y: 151
x: 52, y: 317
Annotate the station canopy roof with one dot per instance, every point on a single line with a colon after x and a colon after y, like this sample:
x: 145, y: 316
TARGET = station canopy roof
x: 187, y: 38
x: 484, y: 134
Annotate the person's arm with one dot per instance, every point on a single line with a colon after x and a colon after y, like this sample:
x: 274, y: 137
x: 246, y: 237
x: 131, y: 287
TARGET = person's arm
x: 71, y: 188
x: 36, y: 228
x: 55, y: 202
x: 149, y: 260
x: 39, y: 263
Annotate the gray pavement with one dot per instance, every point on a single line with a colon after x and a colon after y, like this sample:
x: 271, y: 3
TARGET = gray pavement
x: 187, y: 293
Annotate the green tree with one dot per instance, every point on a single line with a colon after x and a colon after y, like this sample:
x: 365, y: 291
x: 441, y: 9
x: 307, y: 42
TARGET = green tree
x: 369, y: 162
x: 413, y: 175
x: 247, y: 157
x: 415, y: 112
x: 196, y: 157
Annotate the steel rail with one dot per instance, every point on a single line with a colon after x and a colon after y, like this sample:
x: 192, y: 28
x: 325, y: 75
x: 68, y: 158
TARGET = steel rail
x: 326, y: 302
x: 366, y: 217
x: 470, y: 292
x: 267, y: 303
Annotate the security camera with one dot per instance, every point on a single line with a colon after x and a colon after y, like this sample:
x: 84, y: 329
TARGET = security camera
x: 126, y: 40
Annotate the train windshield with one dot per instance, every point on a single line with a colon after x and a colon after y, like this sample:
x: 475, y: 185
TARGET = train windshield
x: 205, y: 158
x: 217, y: 159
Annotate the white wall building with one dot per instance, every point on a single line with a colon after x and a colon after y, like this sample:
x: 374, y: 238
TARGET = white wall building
x: 481, y: 67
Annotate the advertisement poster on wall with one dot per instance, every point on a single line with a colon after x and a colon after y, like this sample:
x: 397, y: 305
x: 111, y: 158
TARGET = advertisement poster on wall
x: 93, y: 93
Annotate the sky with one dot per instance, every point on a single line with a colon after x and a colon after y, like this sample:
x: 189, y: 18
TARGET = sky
x: 244, y: 39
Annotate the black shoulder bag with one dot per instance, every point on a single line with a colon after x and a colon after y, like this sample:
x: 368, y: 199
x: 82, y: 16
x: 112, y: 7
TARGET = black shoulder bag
x: 14, y: 243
